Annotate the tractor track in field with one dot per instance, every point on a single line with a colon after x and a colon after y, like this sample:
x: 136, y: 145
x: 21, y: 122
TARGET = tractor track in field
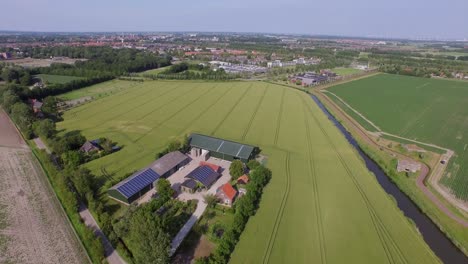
x: 278, y: 121
x: 175, y: 113
x: 128, y: 90
x: 311, y: 163
x: 138, y: 106
x: 119, y: 103
x: 379, y: 226
x: 230, y: 110
x: 206, y: 109
x: 254, y: 114
x: 279, y: 215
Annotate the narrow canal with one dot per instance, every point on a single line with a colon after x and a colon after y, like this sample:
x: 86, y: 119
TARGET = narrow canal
x: 437, y: 241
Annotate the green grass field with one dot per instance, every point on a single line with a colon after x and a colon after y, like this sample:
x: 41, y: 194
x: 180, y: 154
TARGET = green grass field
x: 428, y: 110
x: 322, y: 204
x: 57, y: 79
x: 346, y: 71
x: 101, y: 89
x: 154, y: 71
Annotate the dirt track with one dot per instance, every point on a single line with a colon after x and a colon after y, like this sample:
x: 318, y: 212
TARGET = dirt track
x: 33, y: 227
x: 351, y: 124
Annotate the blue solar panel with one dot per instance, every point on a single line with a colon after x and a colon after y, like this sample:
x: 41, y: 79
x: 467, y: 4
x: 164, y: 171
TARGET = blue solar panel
x: 204, y: 174
x: 137, y: 182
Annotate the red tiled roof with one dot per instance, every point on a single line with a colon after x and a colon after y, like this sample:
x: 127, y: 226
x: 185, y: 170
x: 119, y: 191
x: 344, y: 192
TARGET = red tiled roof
x: 244, y: 179
x: 229, y: 191
x: 211, y: 165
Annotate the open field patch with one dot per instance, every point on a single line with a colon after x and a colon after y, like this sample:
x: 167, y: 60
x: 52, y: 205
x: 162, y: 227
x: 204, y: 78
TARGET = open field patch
x: 428, y: 110
x: 322, y: 204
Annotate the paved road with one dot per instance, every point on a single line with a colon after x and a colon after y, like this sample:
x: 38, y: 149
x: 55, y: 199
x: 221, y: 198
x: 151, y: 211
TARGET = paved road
x: 112, y: 256
x: 201, y: 207
x: 40, y: 145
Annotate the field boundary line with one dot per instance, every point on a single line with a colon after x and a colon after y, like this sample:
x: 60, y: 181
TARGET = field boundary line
x: 279, y: 215
x: 230, y: 110
x: 252, y: 118
x: 354, y: 110
x: 278, y: 120
x: 312, y: 173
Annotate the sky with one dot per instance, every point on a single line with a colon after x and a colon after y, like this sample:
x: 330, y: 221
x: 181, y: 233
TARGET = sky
x: 446, y: 19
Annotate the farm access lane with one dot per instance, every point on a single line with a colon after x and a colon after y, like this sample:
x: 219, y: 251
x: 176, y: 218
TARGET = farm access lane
x: 352, y: 124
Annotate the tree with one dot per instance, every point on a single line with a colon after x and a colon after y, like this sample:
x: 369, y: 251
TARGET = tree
x: 26, y: 79
x: 149, y: 243
x: 163, y: 187
x: 210, y: 199
x: 49, y: 106
x: 72, y: 158
x: 236, y: 169
x: 253, y: 164
x: 44, y: 128
x: 9, y: 99
x: 22, y: 115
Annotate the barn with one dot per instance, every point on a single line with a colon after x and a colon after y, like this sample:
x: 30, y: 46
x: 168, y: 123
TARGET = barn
x: 135, y: 186
x: 220, y: 148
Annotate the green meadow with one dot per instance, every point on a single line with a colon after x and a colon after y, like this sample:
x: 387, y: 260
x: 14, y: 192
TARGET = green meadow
x: 322, y: 204
x: 429, y: 110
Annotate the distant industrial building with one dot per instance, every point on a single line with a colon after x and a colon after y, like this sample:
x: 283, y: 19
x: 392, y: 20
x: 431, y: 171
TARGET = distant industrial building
x: 309, y: 78
x: 220, y: 148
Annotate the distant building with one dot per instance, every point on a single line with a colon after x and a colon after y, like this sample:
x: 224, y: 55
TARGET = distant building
x: 226, y: 194
x: 5, y: 55
x: 170, y: 163
x: 408, y: 166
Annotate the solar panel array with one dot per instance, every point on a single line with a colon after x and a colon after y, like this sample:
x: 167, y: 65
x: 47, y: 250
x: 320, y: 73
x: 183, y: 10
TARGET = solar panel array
x: 137, y: 182
x: 204, y: 174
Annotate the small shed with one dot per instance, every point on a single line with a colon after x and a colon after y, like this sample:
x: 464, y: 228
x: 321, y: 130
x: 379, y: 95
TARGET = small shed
x: 189, y: 186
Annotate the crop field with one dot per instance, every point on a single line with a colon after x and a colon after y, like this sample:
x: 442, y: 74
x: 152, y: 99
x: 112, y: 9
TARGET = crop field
x: 322, y: 204
x: 59, y: 79
x: 428, y: 110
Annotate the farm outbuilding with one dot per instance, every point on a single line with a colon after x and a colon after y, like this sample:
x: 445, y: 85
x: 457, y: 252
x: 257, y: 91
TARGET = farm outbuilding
x: 220, y: 148
x: 135, y: 186
x: 170, y: 163
x: 204, y: 175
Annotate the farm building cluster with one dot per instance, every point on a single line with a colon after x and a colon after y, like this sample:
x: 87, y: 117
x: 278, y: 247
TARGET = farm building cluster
x: 312, y: 78
x: 237, y: 68
x: 299, y: 61
x: 204, y: 169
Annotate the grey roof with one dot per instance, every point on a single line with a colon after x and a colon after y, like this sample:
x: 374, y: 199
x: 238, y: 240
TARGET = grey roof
x: 222, y: 146
x: 137, y: 182
x: 168, y: 162
x: 90, y: 145
x: 190, y: 183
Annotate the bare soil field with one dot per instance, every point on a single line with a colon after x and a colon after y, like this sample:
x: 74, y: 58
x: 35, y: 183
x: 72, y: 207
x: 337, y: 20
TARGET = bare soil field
x: 32, y: 63
x: 9, y: 136
x: 33, y: 227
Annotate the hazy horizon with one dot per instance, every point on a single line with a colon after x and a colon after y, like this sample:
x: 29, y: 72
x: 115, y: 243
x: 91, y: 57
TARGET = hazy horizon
x: 417, y: 19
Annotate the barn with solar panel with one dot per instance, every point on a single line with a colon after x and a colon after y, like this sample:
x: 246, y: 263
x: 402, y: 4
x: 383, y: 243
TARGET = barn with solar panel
x: 206, y: 146
x: 204, y: 175
x: 135, y: 186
